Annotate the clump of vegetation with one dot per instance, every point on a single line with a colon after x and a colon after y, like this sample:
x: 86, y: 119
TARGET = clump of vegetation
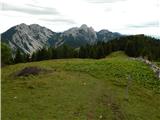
x: 6, y: 57
x: 30, y: 71
x: 117, y: 54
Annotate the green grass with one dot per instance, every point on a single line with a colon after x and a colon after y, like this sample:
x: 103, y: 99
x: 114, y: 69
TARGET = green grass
x: 82, y: 89
x: 158, y: 64
x: 117, y: 54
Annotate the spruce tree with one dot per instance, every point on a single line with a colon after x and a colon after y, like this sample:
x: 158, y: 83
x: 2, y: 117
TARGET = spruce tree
x: 6, y: 56
x: 19, y: 57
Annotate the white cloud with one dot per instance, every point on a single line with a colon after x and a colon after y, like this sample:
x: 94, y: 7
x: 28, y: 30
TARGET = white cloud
x: 29, y: 9
x: 125, y: 16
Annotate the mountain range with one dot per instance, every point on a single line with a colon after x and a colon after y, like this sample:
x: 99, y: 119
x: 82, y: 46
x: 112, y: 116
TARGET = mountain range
x: 29, y: 38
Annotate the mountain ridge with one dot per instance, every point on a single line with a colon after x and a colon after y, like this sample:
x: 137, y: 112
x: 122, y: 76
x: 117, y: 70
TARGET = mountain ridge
x: 29, y: 38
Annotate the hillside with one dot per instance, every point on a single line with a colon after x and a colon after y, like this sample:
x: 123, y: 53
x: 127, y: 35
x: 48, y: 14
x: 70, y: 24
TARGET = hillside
x: 80, y: 89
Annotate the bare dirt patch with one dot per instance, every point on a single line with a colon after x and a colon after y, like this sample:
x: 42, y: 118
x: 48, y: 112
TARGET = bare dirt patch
x: 30, y: 71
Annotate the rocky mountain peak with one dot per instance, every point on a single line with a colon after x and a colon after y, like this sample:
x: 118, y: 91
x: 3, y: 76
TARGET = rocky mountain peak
x: 86, y: 28
x: 104, y: 31
x: 83, y: 26
x: 34, y: 25
x: 21, y: 26
x: 82, y: 34
x: 27, y: 38
x: 30, y: 38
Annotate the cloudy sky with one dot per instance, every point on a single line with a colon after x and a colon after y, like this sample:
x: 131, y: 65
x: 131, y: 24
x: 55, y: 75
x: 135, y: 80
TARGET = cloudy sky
x: 124, y: 16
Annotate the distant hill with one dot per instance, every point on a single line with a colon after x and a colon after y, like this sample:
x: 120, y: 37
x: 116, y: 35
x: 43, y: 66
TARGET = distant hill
x: 133, y: 46
x: 117, y: 54
x: 29, y: 38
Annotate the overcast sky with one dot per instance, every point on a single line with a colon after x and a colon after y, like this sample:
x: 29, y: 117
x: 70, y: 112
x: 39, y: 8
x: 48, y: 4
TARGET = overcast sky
x: 124, y: 16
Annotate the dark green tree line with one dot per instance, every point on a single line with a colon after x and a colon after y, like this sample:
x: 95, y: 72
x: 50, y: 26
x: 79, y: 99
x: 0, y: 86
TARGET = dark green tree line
x: 133, y: 46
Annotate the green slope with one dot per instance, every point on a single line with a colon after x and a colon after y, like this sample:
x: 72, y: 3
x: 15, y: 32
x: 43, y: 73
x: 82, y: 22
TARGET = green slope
x: 158, y: 64
x: 82, y: 89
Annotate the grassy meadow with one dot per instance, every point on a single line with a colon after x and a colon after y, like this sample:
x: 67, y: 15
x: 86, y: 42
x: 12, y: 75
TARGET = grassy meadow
x: 113, y: 88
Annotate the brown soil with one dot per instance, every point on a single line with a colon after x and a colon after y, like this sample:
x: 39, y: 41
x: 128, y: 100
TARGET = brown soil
x: 30, y: 71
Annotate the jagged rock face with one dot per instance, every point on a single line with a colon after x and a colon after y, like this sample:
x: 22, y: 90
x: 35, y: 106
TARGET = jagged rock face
x: 30, y: 38
x: 106, y: 35
x: 81, y: 35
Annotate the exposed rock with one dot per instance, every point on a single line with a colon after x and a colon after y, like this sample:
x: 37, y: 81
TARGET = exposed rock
x: 153, y: 66
x: 82, y: 34
x: 29, y: 38
x: 106, y: 35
